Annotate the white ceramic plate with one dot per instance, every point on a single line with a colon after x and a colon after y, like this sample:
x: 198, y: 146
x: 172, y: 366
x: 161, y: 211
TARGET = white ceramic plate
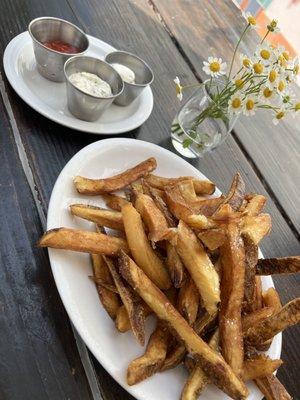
x: 111, y: 348
x: 49, y: 98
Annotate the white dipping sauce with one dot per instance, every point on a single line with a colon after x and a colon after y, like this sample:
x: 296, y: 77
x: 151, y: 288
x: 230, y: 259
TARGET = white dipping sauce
x: 126, y: 73
x: 91, y: 84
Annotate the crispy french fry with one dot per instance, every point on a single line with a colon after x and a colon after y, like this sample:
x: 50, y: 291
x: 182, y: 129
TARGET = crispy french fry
x: 272, y: 266
x: 232, y: 294
x: 256, y: 317
x: 141, y: 250
x: 200, y: 221
x: 236, y: 193
x: 82, y: 241
x: 188, y: 301
x: 152, y: 216
x: 101, y: 282
x: 132, y: 302
x: 98, y: 186
x: 197, y: 379
x: 225, y: 214
x: 289, y: 315
x: 114, y: 202
x: 257, y: 227
x: 187, y: 190
x: 272, y: 388
x: 258, y: 301
x: 213, y: 238
x: 175, y: 266
x: 259, y: 366
x: 199, y: 266
x: 109, y: 299
x: 200, y: 186
x: 255, y: 205
x: 178, y: 206
x: 212, y: 363
x: 150, y: 362
x: 271, y: 299
x: 251, y: 257
x: 159, y: 199
x: 122, y: 321
x: 101, y: 216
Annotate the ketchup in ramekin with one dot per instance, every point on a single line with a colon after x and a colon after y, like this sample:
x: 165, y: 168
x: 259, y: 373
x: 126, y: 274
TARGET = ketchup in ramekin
x: 62, y: 47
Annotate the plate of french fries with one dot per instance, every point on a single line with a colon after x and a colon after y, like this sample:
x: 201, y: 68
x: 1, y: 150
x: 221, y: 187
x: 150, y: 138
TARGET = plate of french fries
x: 162, y: 276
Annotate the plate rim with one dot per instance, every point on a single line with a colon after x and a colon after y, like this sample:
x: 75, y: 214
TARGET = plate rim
x: 72, y: 317
x: 37, y: 105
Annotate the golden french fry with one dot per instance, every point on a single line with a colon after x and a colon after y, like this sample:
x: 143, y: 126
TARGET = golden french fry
x: 150, y: 362
x: 114, y: 202
x: 108, y: 218
x: 271, y: 299
x: 188, y: 301
x: 159, y: 199
x: 272, y: 388
x: 152, y: 216
x: 251, y: 257
x: 213, y: 238
x: 259, y: 366
x: 232, y: 294
x: 289, y: 315
x: 258, y: 300
x: 187, y: 190
x: 199, y: 265
x: 200, y: 186
x: 141, y: 249
x: 98, y: 186
x: 257, y: 227
x: 101, y: 282
x: 256, y: 317
x: 225, y: 214
x: 109, y: 299
x: 236, y: 193
x: 212, y: 363
x: 122, y: 321
x: 255, y: 205
x: 175, y: 266
x: 177, y: 204
x: 82, y: 241
x: 272, y: 266
x: 132, y: 303
x: 200, y: 221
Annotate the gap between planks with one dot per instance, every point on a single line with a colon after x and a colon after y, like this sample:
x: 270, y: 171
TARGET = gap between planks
x: 255, y: 168
x: 82, y: 349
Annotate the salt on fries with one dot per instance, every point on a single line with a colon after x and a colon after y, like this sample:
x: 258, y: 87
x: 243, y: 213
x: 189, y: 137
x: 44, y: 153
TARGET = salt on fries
x: 192, y: 260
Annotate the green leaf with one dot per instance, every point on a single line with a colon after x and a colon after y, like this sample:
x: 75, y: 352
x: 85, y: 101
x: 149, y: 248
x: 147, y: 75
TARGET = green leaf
x: 186, y: 143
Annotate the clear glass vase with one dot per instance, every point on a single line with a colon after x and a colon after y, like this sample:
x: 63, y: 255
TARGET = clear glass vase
x: 202, y: 123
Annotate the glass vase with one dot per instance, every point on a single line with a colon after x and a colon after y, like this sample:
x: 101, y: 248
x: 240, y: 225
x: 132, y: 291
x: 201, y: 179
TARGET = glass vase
x: 202, y: 123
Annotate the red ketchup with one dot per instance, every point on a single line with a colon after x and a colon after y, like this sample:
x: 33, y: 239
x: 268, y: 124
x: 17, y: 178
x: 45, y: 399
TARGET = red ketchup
x: 62, y: 47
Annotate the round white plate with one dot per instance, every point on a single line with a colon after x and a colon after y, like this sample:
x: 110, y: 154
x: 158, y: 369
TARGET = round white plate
x: 71, y: 270
x: 50, y: 99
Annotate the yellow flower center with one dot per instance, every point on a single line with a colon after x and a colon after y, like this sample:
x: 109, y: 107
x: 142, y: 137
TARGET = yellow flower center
x: 296, y: 69
x: 272, y: 76
x: 239, y: 83
x: 286, y: 55
x: 297, y: 106
x: 280, y: 115
x: 251, y: 20
x: 250, y: 104
x: 281, y: 86
x: 215, y: 66
x: 258, y: 68
x: 178, y: 89
x: 265, y: 54
x: 246, y: 62
x: 236, y: 103
x: 267, y: 92
x: 282, y: 60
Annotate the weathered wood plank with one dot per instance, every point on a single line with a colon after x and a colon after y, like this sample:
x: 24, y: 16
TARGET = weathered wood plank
x: 210, y: 28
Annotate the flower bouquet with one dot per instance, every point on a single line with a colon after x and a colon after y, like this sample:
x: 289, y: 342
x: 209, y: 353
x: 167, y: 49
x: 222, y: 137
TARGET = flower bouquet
x: 261, y: 82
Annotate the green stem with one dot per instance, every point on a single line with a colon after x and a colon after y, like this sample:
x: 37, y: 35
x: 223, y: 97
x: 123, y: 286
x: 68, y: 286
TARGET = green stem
x: 235, y: 50
x: 262, y: 40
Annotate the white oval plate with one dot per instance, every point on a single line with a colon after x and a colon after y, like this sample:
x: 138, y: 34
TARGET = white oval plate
x: 50, y: 99
x: 71, y: 270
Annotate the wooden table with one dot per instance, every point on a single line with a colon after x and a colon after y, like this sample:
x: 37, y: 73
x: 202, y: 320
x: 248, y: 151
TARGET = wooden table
x: 41, y: 357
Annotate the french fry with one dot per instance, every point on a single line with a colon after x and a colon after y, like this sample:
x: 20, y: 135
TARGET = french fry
x: 271, y: 299
x: 101, y: 282
x: 150, y: 362
x: 199, y: 221
x: 197, y: 379
x: 177, y: 204
x: 257, y: 227
x: 159, y: 199
x: 83, y: 241
x: 255, y: 205
x: 175, y: 266
x: 236, y: 193
x: 251, y: 257
x: 273, y: 266
x: 232, y: 294
x: 108, y: 218
x: 258, y: 300
x: 114, y: 202
x: 141, y: 249
x: 259, y: 366
x: 200, y: 186
x: 132, y: 303
x: 187, y: 190
x: 272, y: 388
x: 122, y: 321
x: 152, y: 216
x: 289, y: 315
x: 212, y: 238
x: 188, y: 301
x: 212, y: 363
x: 256, y: 317
x: 109, y: 299
x: 199, y: 266
x: 225, y: 214
x: 94, y: 187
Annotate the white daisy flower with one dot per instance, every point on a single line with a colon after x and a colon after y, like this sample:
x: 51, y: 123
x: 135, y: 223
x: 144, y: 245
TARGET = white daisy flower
x: 258, y: 66
x: 250, y: 105
x: 266, y: 94
x: 281, y: 86
x: 287, y: 96
x: 251, y: 20
x: 296, y: 66
x: 235, y: 104
x: 214, y: 67
x: 272, y: 26
x: 279, y: 116
x: 246, y: 61
x: 274, y: 75
x: 265, y: 53
x: 178, y: 88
